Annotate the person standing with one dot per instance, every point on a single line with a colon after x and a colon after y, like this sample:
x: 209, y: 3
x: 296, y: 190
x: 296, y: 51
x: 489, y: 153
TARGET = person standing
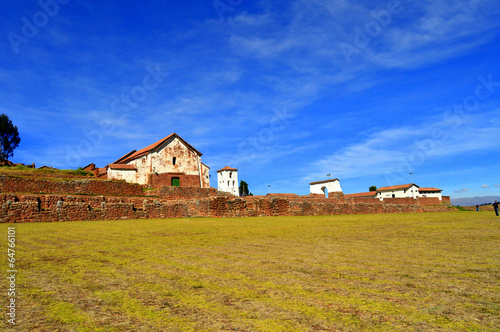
x: 495, y: 206
x: 477, y: 207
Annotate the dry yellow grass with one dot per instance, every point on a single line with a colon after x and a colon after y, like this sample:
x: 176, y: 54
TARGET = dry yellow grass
x: 23, y: 170
x: 371, y: 272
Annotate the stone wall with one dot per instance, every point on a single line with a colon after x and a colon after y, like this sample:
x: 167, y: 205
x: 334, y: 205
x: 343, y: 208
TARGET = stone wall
x: 365, y: 200
x: 11, y: 184
x: 165, y: 179
x: 180, y: 193
x: 429, y: 201
x: 50, y: 208
x: 17, y: 208
x: 46, y: 175
x: 333, y: 194
x: 399, y: 200
x: 324, y: 200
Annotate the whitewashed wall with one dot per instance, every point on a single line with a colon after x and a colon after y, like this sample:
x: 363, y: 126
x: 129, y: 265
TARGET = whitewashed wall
x: 331, y: 186
x: 399, y: 193
x: 228, y: 181
x: 431, y: 194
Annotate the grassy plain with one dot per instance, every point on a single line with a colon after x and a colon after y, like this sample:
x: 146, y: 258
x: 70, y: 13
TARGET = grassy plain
x: 431, y: 271
x: 23, y: 170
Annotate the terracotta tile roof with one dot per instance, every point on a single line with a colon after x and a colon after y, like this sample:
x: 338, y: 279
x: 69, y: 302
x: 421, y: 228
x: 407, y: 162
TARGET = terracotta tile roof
x: 227, y: 168
x: 398, y: 187
x: 125, y: 157
x: 430, y: 189
x: 326, y: 181
x: 360, y: 195
x: 137, y: 154
x: 122, y: 166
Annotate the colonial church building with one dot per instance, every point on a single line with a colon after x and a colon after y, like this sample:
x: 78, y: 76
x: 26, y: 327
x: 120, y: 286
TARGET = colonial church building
x: 169, y: 162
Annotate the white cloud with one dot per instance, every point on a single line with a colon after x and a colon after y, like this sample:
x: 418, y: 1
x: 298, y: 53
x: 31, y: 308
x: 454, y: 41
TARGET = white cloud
x: 485, y: 186
x: 396, y: 152
x: 463, y: 190
x: 423, y: 32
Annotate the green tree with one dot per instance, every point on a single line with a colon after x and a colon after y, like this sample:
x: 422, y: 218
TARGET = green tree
x: 373, y: 188
x: 244, y: 188
x: 9, y: 138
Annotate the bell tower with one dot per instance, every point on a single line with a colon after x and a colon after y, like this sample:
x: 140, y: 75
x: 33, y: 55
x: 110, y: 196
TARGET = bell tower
x: 227, y: 180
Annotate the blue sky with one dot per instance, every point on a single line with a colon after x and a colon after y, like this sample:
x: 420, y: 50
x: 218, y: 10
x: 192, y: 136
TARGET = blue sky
x: 287, y: 92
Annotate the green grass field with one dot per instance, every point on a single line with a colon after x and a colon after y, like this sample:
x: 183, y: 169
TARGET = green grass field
x: 23, y: 170
x: 420, y: 272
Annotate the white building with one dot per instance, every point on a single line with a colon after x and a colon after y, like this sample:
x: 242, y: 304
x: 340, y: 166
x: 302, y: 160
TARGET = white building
x: 169, y: 162
x: 325, y: 187
x: 430, y: 192
x: 227, y: 180
x: 408, y: 190
x: 399, y: 191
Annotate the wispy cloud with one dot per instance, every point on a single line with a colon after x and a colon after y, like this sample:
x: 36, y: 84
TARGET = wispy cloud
x: 313, y: 31
x: 387, y: 151
x: 438, y: 31
x: 485, y: 186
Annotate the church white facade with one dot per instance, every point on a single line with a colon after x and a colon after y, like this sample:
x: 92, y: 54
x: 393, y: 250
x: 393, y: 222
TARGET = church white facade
x: 325, y: 187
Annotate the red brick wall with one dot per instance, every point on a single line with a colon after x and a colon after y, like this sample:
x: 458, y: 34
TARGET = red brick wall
x: 446, y: 199
x: 367, y: 200
x: 63, y: 208
x: 82, y: 186
x: 333, y: 195
x: 176, y: 193
x: 322, y: 200
x: 314, y: 196
x: 90, y: 168
x: 429, y: 201
x: 283, y: 195
x: 49, y: 208
x: 165, y: 179
x: 402, y: 200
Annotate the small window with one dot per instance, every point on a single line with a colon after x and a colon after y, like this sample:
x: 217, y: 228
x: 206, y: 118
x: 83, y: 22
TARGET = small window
x: 174, y: 160
x: 228, y: 183
x: 230, y: 175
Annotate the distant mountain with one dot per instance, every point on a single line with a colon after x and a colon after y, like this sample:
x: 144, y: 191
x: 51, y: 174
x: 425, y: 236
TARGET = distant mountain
x: 471, y: 201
